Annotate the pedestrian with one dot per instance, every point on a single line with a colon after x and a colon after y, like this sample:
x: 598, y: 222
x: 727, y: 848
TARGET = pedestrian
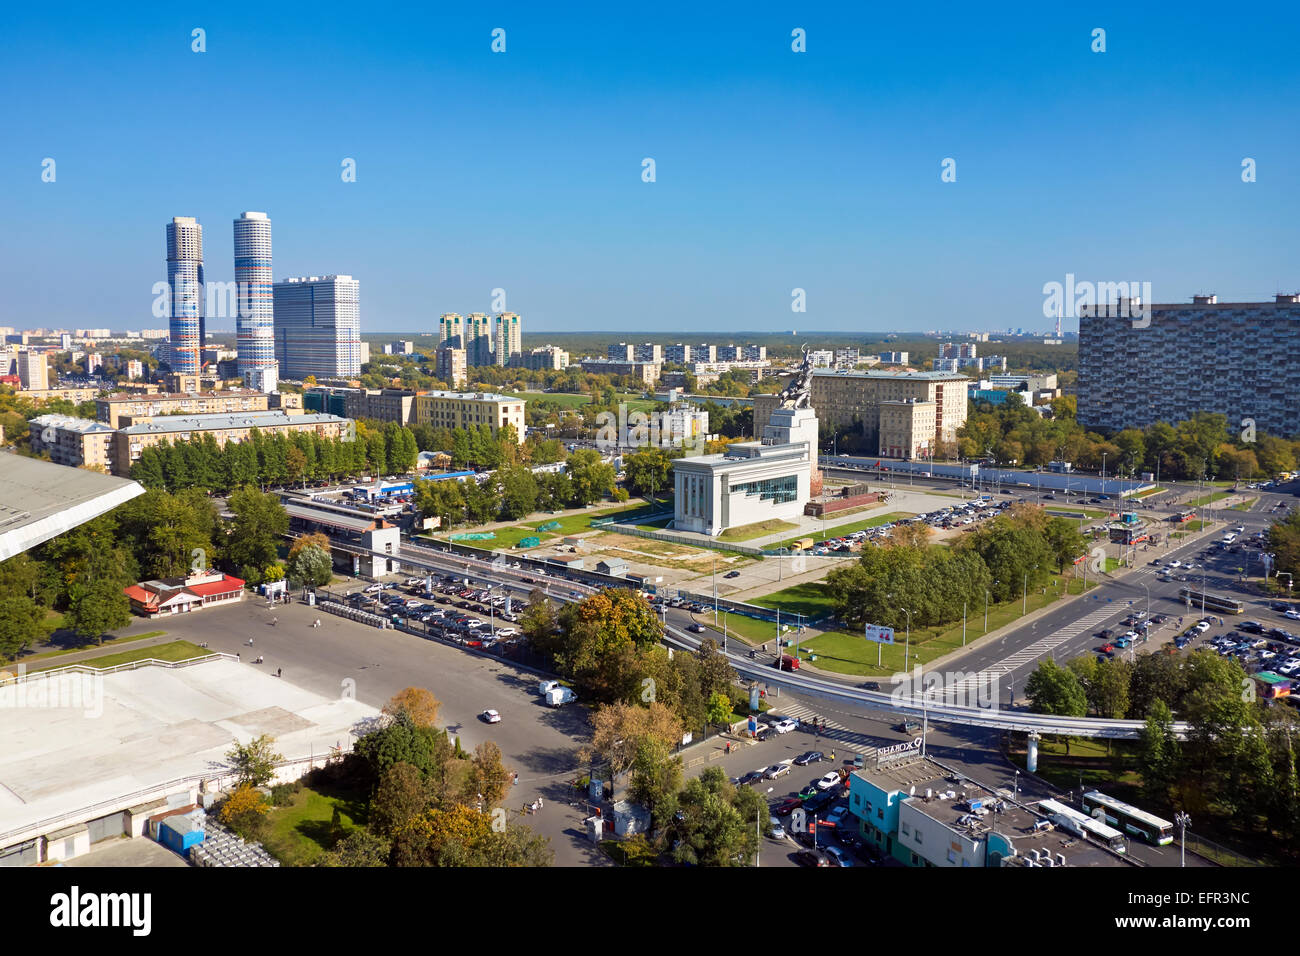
x: 238, y: 656
x: 279, y: 671
x: 539, y: 803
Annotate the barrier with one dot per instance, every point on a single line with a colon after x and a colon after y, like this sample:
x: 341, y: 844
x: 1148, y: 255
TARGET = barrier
x: 353, y: 614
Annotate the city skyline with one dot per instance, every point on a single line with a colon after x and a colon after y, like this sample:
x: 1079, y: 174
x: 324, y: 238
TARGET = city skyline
x: 748, y: 202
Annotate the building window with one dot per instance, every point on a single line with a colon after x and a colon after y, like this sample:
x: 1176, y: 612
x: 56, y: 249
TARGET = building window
x: 777, y: 490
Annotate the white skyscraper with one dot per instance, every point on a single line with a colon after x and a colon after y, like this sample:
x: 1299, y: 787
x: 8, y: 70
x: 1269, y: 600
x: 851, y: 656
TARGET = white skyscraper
x: 255, y: 325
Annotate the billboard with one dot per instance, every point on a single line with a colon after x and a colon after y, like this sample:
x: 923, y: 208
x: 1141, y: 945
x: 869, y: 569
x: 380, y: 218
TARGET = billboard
x: 878, y: 634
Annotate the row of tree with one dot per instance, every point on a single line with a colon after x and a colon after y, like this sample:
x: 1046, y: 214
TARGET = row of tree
x: 514, y: 492
x: 993, y: 563
x: 1202, y: 446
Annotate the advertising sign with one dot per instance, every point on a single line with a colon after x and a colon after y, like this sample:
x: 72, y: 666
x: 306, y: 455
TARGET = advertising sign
x: 880, y: 635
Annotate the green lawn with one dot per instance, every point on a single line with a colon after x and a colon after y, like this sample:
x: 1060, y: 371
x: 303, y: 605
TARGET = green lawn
x: 756, y: 530
x: 843, y: 529
x: 1151, y: 491
x: 1209, y: 499
x: 300, y: 833
x: 810, y: 599
x: 173, y: 651
x: 850, y: 653
x: 1245, y: 505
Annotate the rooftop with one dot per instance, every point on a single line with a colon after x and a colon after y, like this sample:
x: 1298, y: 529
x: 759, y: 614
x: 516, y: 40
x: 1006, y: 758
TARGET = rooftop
x: 886, y: 374
x: 139, y: 728
x: 471, y: 396
x: 195, y: 423
x: 117, y: 397
x: 72, y: 424
x: 39, y: 500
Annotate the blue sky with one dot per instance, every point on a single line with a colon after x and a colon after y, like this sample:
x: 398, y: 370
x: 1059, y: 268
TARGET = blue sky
x: 775, y: 169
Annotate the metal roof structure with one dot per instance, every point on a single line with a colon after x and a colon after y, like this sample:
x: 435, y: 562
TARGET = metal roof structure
x: 40, y: 500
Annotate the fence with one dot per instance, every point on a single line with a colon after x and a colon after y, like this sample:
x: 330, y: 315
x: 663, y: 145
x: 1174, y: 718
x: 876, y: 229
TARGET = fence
x: 1216, y: 853
x: 115, y: 669
x: 353, y: 614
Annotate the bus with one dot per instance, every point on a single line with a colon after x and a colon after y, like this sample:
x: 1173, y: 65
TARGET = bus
x: 1183, y: 517
x: 1081, y: 824
x: 1148, y: 826
x: 1204, y: 601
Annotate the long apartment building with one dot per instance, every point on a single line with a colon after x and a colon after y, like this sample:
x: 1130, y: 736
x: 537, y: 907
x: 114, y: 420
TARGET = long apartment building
x: 470, y: 410
x: 918, y: 410
x: 130, y: 441
x: 118, y: 410
x: 1239, y: 359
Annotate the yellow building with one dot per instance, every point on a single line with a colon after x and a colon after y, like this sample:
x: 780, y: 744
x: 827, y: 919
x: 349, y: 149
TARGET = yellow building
x: 469, y: 410
x: 72, y: 441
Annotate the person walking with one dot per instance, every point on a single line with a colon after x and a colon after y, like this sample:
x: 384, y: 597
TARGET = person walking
x: 279, y: 671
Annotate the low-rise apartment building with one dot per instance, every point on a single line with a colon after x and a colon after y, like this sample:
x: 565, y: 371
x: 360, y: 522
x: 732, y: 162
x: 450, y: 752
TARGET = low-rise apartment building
x: 72, y: 441
x: 118, y: 409
x: 470, y: 410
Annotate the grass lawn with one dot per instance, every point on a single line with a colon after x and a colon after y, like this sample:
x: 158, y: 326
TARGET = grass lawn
x: 507, y: 538
x: 756, y: 530
x: 843, y: 529
x: 174, y: 651
x: 1208, y: 499
x: 300, y: 833
x: 810, y: 599
x: 1245, y: 505
x: 1144, y: 494
x: 124, y: 639
x: 575, y: 523
x: 849, y: 653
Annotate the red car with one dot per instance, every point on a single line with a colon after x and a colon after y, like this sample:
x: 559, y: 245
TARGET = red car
x: 788, y: 805
x: 1108, y: 648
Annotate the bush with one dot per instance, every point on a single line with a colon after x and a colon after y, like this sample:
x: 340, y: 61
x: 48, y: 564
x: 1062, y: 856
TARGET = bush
x: 282, y: 793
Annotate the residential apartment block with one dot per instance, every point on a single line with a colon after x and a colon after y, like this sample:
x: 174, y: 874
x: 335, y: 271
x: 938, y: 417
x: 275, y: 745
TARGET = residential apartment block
x: 318, y: 327
x: 1234, y: 358
x: 130, y: 441
x: 72, y: 441
x: 118, y: 410
x: 451, y: 365
x: 380, y: 404
x: 469, y: 410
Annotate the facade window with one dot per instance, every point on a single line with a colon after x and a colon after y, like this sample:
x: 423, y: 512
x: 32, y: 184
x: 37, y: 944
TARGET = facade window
x: 776, y: 490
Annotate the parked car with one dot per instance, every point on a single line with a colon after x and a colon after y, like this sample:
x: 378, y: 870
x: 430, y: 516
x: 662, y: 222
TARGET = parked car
x: 491, y: 717
x: 812, y: 756
x: 830, y: 780
x: 786, y: 725
x: 811, y: 858
x: 776, y: 770
x: 732, y: 574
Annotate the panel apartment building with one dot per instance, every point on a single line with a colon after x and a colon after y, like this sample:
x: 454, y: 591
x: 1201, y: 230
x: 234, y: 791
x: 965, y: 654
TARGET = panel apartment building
x: 901, y: 414
x: 1238, y: 359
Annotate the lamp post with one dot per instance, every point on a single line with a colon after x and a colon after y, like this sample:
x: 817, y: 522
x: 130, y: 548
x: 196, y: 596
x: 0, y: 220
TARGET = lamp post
x: 907, y: 646
x: 986, y: 611
x: 1183, y: 821
x: 1016, y: 785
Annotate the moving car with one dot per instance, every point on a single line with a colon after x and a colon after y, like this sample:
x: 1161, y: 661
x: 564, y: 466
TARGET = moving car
x: 786, y: 725
x: 491, y: 717
x: 732, y: 574
x: 812, y: 756
x: 696, y: 628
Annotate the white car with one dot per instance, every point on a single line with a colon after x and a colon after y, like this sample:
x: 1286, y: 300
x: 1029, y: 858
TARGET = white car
x: 1203, y: 626
x: 1293, y: 614
x: 778, y: 831
x: 828, y: 781
x: 491, y: 717
x: 785, y: 726
x: 1175, y: 564
x: 374, y: 589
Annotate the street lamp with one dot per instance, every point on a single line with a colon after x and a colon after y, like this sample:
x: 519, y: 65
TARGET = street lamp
x: 1183, y: 821
x: 1016, y: 785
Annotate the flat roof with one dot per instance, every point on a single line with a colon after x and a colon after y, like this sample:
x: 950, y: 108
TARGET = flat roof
x: 471, y: 396
x: 117, y: 397
x: 330, y: 516
x: 72, y: 424
x: 137, y: 729
x: 194, y: 423
x: 885, y: 374
x: 40, y: 500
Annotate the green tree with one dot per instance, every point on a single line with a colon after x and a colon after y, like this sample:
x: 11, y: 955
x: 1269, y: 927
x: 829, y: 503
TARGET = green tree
x: 592, y: 478
x: 311, y: 567
x: 97, y: 607
x: 22, y: 624
x: 648, y: 471
x: 255, y: 533
x: 254, y: 762
x: 402, y: 795
x: 1053, y: 689
x: 518, y: 493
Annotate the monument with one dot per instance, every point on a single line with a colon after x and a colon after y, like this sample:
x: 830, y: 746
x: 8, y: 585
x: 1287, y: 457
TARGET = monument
x: 754, y: 481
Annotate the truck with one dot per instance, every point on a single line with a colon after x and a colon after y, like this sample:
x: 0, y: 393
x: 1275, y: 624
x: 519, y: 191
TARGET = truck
x: 554, y: 695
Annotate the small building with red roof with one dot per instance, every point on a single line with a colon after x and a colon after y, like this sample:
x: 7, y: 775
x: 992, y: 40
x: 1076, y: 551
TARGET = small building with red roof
x: 167, y: 596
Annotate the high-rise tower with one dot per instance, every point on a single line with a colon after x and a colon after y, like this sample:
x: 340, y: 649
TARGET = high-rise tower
x: 255, y: 323
x: 185, y: 280
x: 509, y: 337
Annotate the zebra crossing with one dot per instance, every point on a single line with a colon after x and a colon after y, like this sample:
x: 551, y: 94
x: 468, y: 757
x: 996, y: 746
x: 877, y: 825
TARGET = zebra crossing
x: 966, y: 688
x: 834, y: 732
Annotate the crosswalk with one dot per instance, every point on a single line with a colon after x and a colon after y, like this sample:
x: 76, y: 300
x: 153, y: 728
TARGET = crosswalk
x: 834, y: 733
x: 967, y: 688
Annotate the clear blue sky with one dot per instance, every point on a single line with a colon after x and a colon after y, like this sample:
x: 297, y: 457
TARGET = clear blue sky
x: 775, y: 169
